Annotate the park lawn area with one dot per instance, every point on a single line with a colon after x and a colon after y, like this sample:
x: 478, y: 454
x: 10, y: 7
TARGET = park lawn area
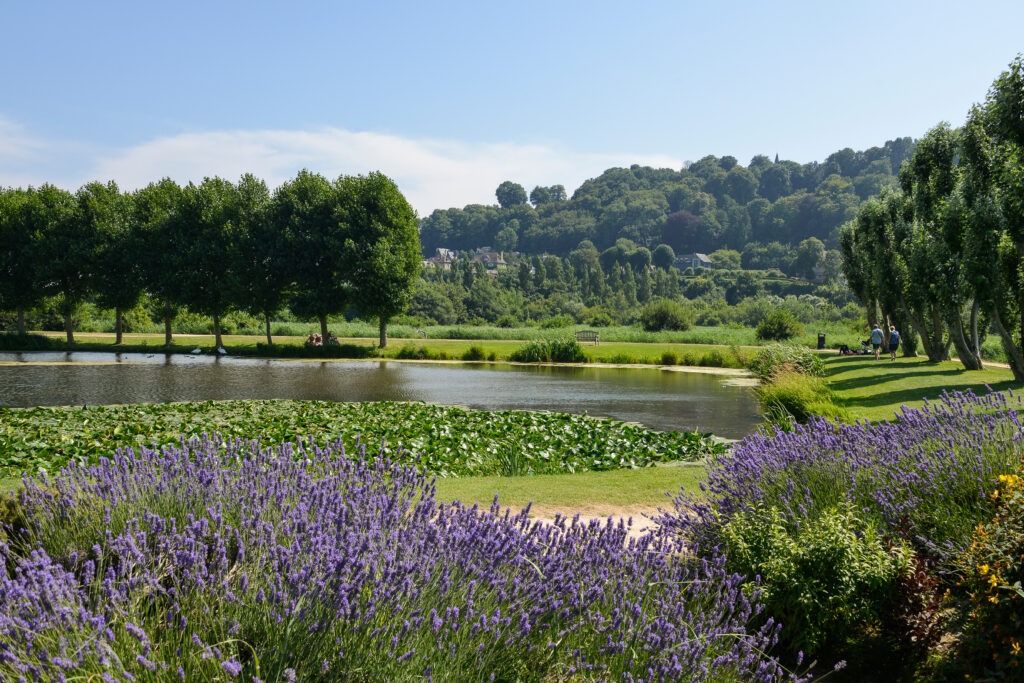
x: 644, y: 487
x: 875, y: 390
x: 606, y: 352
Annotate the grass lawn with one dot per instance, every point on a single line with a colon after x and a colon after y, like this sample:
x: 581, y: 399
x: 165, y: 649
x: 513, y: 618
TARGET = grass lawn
x: 606, y: 352
x: 875, y: 390
x: 617, y: 488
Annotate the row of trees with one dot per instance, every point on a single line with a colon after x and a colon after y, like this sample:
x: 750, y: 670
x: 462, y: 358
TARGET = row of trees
x: 711, y: 204
x: 314, y: 245
x: 944, y: 252
x: 590, y: 286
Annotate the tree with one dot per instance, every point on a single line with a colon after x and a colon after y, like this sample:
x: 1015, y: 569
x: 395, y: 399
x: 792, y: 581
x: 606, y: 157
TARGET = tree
x: 663, y: 257
x: 149, y: 218
x: 206, y: 220
x: 262, y: 253
x: 992, y: 154
x: 774, y: 182
x: 726, y: 259
x: 20, y: 286
x: 119, y: 278
x: 67, y: 249
x: 510, y: 194
x: 383, y: 246
x: 810, y: 254
x: 307, y: 210
x: 741, y: 184
x: 929, y: 180
x: 506, y: 238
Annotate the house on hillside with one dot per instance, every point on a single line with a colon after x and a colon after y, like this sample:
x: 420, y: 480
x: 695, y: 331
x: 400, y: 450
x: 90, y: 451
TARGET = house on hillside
x: 693, y: 261
x: 491, y: 259
x: 442, y: 258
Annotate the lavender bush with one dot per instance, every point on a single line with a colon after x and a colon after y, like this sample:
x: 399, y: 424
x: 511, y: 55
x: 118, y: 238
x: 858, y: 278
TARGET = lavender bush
x: 924, y: 477
x: 228, y: 561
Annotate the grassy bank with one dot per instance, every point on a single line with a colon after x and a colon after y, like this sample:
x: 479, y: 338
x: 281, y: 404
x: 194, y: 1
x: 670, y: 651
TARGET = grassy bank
x: 875, y: 390
x: 641, y: 352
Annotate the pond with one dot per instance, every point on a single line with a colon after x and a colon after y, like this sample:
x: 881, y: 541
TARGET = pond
x: 660, y: 399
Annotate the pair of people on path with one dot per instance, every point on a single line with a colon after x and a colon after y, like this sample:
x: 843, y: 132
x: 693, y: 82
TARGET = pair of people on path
x: 894, y: 341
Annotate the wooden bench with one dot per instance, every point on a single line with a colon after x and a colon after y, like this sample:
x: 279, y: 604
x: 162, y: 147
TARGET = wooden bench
x: 589, y: 336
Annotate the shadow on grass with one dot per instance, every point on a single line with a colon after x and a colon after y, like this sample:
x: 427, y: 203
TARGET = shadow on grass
x: 916, y: 394
x: 899, y: 375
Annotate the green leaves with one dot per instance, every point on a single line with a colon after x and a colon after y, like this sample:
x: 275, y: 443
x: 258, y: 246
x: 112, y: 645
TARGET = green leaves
x: 444, y: 440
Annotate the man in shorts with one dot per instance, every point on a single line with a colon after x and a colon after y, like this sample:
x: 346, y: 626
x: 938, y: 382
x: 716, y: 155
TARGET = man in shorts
x: 876, y: 340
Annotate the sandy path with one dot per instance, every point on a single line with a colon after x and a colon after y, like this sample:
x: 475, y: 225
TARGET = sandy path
x: 640, y: 515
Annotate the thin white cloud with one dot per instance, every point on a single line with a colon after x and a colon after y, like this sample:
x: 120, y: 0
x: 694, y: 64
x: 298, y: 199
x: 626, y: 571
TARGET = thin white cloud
x: 431, y: 173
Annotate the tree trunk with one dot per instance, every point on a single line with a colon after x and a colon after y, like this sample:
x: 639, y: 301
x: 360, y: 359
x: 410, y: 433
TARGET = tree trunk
x: 1013, y: 353
x: 270, y: 342
x: 975, y: 339
x: 118, y: 316
x: 323, y: 329
x: 963, y: 351
x: 21, y: 321
x: 941, y: 347
x: 69, y: 330
x: 167, y: 323
x: 216, y: 332
x: 383, y: 332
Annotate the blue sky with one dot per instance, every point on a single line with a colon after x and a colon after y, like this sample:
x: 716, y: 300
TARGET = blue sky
x: 451, y: 98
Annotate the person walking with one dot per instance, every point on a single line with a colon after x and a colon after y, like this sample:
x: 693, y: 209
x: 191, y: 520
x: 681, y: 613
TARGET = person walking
x: 894, y: 341
x: 876, y: 340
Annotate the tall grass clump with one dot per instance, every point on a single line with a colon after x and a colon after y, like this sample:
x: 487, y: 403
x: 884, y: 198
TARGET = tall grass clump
x: 777, y: 358
x: 562, y: 350
x: 228, y: 561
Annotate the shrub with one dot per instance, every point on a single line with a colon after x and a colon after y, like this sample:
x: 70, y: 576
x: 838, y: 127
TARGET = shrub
x: 507, y: 321
x: 669, y: 358
x: 779, y: 325
x: 473, y: 353
x: 993, y: 578
x: 826, y: 581
x: 666, y: 314
x: 151, y: 563
x: 925, y: 477
x: 600, y: 319
x: 779, y: 358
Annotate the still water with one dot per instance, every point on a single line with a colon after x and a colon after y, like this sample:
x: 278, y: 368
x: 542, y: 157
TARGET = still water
x: 664, y: 400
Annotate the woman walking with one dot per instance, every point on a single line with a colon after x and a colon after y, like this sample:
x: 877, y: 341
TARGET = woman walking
x: 894, y: 341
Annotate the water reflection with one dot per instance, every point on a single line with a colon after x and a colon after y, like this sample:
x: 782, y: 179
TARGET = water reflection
x: 659, y: 399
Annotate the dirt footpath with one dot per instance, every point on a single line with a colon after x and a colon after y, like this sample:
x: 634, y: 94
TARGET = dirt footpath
x: 640, y: 514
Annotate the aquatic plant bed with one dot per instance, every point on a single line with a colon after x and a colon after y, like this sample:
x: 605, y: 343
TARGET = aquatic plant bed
x: 233, y: 561
x: 442, y: 440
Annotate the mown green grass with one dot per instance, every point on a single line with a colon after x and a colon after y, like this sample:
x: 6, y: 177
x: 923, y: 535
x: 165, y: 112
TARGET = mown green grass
x: 714, y: 355
x: 643, y: 488
x: 875, y: 390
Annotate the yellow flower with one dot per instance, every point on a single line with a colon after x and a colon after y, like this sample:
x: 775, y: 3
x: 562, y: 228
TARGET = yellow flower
x: 1014, y: 648
x: 983, y: 569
